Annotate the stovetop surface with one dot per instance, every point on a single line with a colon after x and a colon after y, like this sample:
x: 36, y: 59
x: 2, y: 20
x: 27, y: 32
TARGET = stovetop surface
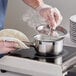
x: 68, y: 52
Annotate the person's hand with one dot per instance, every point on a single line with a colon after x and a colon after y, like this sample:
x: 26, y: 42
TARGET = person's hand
x: 51, y: 15
x: 7, y: 46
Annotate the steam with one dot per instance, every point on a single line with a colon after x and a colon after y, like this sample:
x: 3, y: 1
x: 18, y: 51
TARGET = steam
x: 33, y: 19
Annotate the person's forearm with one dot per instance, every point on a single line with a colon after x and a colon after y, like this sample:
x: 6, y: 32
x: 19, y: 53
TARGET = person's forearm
x: 33, y: 3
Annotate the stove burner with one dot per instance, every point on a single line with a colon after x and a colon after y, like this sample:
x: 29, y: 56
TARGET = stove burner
x: 66, y: 59
x: 68, y: 52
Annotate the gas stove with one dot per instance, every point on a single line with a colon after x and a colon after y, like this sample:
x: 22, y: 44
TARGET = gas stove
x: 30, y: 61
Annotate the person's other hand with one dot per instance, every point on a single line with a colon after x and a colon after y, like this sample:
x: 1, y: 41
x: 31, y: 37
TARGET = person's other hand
x: 51, y: 15
x: 7, y: 46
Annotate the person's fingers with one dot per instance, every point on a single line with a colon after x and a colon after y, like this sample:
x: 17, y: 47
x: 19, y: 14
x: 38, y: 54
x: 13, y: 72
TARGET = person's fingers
x: 51, y: 19
x: 6, y: 50
x: 58, y: 16
x: 9, y: 49
x: 52, y: 16
x: 44, y: 13
x: 10, y: 44
x: 6, y: 47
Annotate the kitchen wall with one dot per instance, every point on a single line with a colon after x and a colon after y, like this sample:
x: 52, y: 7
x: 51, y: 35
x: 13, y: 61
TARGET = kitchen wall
x: 17, y: 9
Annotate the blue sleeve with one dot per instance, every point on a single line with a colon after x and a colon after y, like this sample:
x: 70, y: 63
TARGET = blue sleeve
x: 5, y: 4
x: 3, y: 8
x: 1, y: 55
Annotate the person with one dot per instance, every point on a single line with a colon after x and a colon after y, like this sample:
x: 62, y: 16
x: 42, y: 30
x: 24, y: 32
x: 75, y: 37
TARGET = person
x: 51, y: 15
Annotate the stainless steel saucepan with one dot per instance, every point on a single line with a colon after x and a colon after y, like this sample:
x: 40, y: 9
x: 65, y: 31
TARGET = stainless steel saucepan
x: 48, y: 44
x: 45, y: 44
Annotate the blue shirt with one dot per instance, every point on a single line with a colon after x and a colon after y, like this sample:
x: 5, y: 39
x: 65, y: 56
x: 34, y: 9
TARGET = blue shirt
x: 3, y: 6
